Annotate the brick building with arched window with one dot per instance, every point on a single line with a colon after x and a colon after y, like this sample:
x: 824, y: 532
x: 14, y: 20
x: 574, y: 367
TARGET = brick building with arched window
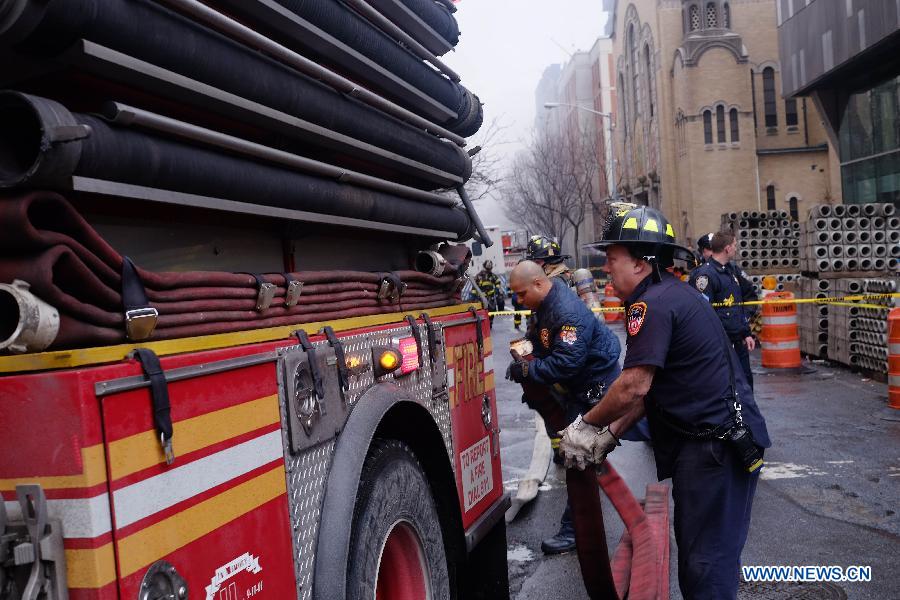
x: 701, y: 126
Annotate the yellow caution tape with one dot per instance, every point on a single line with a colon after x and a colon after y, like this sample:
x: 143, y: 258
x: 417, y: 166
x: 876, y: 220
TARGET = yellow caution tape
x: 851, y: 300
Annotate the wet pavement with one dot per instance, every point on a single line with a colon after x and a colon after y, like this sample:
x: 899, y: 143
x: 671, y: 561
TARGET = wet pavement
x: 829, y: 493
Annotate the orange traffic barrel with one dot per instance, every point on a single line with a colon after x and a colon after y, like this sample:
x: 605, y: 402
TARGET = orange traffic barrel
x: 894, y: 358
x: 610, y: 300
x: 780, y: 337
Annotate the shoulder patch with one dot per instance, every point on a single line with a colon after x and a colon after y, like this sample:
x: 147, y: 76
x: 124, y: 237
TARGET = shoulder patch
x: 637, y: 312
x: 545, y: 337
x: 701, y: 282
x: 568, y: 334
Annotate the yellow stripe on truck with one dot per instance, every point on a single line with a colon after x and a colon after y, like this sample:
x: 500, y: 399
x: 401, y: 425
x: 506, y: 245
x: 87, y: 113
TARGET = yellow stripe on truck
x: 90, y: 567
x: 142, y: 450
x: 62, y: 359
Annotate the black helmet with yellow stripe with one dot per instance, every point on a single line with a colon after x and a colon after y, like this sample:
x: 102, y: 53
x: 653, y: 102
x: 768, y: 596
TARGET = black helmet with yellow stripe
x: 544, y: 248
x: 646, y: 230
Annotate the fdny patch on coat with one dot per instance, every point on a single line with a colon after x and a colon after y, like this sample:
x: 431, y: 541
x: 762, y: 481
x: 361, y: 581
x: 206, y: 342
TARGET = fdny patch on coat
x: 545, y: 337
x: 568, y: 334
x: 702, y: 282
x: 637, y: 312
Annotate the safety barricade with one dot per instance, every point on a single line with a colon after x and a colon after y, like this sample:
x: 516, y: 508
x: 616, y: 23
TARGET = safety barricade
x: 894, y: 358
x: 780, y: 337
x: 610, y: 300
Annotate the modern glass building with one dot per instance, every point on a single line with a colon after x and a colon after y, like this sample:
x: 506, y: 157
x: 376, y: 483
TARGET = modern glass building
x: 845, y: 56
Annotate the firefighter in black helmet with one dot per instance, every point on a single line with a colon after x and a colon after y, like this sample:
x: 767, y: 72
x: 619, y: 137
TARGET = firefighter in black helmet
x: 680, y: 369
x: 547, y: 253
x: 491, y: 286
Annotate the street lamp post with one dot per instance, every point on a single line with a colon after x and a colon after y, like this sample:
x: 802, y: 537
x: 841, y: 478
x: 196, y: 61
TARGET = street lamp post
x: 610, y: 160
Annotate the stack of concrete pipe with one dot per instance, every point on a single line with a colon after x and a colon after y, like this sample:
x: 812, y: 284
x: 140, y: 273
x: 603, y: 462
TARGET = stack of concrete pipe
x: 851, y: 238
x: 784, y: 281
x: 857, y: 335
x: 812, y: 319
x: 768, y: 241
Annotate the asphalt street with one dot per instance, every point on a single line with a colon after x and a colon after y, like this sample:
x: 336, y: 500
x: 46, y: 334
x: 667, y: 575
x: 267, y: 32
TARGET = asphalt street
x: 828, y: 495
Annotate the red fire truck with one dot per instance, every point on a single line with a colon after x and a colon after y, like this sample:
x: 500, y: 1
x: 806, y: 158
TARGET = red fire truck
x: 313, y: 457
x: 388, y: 482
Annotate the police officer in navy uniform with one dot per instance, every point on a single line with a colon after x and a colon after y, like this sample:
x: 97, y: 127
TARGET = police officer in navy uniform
x: 703, y: 248
x: 575, y: 355
x: 748, y: 290
x: 717, y: 281
x: 708, y: 433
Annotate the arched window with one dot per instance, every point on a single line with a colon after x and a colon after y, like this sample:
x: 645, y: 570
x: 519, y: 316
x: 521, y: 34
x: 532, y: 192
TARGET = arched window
x: 726, y: 16
x: 735, y: 131
x: 790, y: 112
x: 712, y: 20
x: 770, y: 197
x: 707, y: 127
x: 720, y: 124
x: 769, y: 97
x: 633, y: 63
x: 647, y: 79
x: 792, y: 208
x: 694, y: 16
x: 622, y: 104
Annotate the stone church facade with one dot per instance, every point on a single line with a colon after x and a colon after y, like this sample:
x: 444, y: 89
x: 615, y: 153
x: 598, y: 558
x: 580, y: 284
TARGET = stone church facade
x: 701, y: 126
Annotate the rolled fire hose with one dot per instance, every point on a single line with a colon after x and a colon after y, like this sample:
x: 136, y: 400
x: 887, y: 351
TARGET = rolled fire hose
x: 63, y: 145
x: 59, y: 278
x: 422, y: 19
x: 437, y: 16
x: 47, y: 243
x: 343, y: 23
x: 31, y: 222
x: 147, y: 31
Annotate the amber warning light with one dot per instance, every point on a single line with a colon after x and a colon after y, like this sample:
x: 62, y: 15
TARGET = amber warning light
x: 387, y: 360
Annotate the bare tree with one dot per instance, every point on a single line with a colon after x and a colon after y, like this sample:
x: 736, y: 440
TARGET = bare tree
x: 487, y: 174
x: 524, y: 196
x: 555, y: 184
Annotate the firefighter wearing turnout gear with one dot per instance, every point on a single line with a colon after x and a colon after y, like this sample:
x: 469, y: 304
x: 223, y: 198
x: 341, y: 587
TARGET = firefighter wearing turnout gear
x: 679, y: 368
x: 491, y: 286
x: 575, y: 357
x: 719, y: 283
x: 547, y: 253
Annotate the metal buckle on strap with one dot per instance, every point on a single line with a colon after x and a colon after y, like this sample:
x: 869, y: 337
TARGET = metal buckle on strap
x: 292, y: 293
x: 265, y: 296
x: 140, y: 323
x: 167, y: 448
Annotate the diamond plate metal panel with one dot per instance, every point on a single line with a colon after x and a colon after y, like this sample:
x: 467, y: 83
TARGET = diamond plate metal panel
x: 307, y: 471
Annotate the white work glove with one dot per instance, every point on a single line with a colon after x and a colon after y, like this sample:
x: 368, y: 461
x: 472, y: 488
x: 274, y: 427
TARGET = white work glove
x: 584, y: 444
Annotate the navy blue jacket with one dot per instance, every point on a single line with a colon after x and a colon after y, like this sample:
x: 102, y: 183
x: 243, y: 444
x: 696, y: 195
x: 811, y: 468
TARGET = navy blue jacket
x: 672, y: 327
x: 571, y: 346
x: 719, y: 284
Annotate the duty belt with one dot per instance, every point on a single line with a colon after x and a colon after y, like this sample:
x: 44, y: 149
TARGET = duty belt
x: 693, y: 433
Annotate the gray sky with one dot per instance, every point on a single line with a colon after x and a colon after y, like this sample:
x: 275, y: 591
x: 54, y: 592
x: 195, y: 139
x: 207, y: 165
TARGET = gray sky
x: 504, y: 48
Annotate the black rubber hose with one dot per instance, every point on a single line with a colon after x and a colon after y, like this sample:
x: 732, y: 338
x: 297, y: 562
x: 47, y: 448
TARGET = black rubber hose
x: 138, y: 158
x: 346, y: 25
x: 90, y: 147
x: 144, y: 30
x: 437, y: 16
